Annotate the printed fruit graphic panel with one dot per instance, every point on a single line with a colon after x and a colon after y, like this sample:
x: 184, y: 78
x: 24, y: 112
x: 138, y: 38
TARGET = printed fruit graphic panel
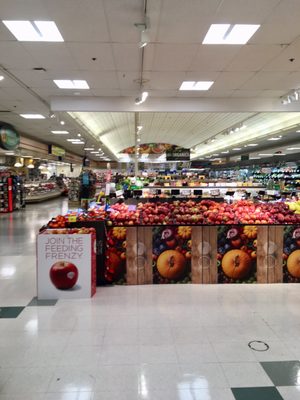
x: 63, y: 275
x: 291, y: 254
x: 172, y: 254
x: 115, y: 261
x: 236, y: 259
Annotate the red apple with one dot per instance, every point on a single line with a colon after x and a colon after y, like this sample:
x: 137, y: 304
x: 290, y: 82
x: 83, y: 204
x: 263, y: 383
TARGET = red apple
x: 63, y: 275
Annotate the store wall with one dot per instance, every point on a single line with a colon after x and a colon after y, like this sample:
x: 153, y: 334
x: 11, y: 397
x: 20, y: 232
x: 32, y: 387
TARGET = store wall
x: 65, y: 169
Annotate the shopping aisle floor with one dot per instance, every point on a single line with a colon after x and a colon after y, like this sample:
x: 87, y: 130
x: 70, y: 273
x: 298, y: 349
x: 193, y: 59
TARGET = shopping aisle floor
x: 176, y: 342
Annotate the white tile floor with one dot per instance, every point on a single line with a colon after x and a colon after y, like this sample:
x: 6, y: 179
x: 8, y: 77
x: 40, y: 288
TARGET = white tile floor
x: 176, y: 342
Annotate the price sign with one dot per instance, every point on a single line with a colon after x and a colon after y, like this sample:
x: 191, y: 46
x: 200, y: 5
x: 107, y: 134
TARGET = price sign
x: 72, y: 218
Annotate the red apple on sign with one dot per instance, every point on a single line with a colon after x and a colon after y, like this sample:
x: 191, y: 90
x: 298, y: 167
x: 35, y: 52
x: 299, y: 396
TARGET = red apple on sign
x: 63, y: 275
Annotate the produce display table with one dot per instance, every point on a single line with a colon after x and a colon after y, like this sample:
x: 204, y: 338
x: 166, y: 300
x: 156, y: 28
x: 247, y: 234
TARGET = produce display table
x: 203, y: 254
x: 193, y: 242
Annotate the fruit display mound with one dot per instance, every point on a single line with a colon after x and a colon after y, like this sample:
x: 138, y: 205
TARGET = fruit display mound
x: 291, y: 254
x: 236, y: 257
x: 188, y: 212
x: 171, y: 248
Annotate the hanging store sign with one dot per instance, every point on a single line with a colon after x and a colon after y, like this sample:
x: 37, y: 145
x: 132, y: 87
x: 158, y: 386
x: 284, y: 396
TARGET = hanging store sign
x: 9, y: 137
x: 57, y: 151
x: 178, y: 154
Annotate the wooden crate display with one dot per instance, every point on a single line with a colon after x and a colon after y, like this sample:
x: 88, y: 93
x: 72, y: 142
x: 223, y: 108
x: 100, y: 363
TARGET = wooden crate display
x: 204, y: 254
x: 269, y: 254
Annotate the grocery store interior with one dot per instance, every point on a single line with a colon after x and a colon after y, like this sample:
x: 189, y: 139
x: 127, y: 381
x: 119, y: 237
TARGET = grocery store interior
x: 149, y: 200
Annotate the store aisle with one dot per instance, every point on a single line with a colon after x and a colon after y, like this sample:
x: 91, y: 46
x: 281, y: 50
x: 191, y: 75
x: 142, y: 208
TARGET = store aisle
x: 156, y: 342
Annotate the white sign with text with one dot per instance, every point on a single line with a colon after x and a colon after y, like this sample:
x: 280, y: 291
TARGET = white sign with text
x: 64, y: 266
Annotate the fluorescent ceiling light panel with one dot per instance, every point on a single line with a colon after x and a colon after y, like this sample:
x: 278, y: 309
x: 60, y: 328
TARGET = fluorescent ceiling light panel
x: 32, y: 116
x: 237, y: 148
x: 266, y: 154
x: 1, y: 77
x: 275, y: 138
x: 196, y: 85
x: 88, y: 148
x: 95, y: 152
x: 229, y: 34
x: 71, y: 84
x: 252, y: 144
x: 289, y: 149
x: 73, y: 140
x: 36, y: 31
x: 60, y: 132
x: 80, y: 142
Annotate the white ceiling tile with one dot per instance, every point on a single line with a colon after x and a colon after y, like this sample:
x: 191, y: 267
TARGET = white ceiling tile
x: 51, y: 55
x: 163, y: 93
x: 79, y: 21
x: 253, y: 57
x: 246, y: 93
x: 271, y: 93
x: 101, y: 79
x: 173, y: 57
x: 287, y: 60
x: 106, y: 92
x: 121, y: 17
x: 83, y: 53
x: 164, y: 80
x: 13, y: 54
x: 213, y: 57
x: 244, y: 11
x: 128, y: 80
x: 127, y: 56
x: 231, y: 80
x: 265, y: 80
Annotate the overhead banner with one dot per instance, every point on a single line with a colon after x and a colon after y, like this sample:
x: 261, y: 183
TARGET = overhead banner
x: 9, y: 137
x: 178, y: 154
x: 56, y: 151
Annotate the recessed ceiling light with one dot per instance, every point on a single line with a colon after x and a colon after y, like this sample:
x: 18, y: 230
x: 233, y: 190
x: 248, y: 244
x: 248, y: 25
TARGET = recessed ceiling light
x: 73, y: 140
x: 88, y: 148
x: 1, y: 77
x: 298, y: 131
x: 266, y: 154
x: 293, y: 148
x: 279, y: 154
x: 254, y: 158
x: 32, y: 116
x: 71, y: 84
x: 36, y: 31
x: 252, y: 144
x: 229, y: 34
x: 11, y: 153
x: 225, y: 152
x: 80, y: 142
x: 60, y: 132
x: 275, y: 138
x: 237, y: 148
x: 196, y: 85
x: 95, y: 152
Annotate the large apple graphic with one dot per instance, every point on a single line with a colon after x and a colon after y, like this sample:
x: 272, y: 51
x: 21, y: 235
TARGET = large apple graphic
x: 63, y: 275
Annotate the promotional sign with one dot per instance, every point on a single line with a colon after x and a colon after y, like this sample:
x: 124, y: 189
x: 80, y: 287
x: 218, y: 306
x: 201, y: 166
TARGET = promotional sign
x: 56, y: 151
x: 9, y: 138
x: 178, y: 154
x: 66, y: 266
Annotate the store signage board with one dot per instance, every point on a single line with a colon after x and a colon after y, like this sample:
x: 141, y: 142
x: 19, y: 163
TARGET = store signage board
x: 66, y: 266
x: 178, y: 154
x: 9, y: 137
x: 57, y: 151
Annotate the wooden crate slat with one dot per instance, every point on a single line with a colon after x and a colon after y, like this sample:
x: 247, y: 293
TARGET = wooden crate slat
x: 262, y: 254
x: 131, y: 256
x: 196, y: 261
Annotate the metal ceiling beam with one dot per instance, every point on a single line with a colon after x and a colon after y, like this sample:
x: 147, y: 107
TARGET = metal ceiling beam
x: 170, y: 104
